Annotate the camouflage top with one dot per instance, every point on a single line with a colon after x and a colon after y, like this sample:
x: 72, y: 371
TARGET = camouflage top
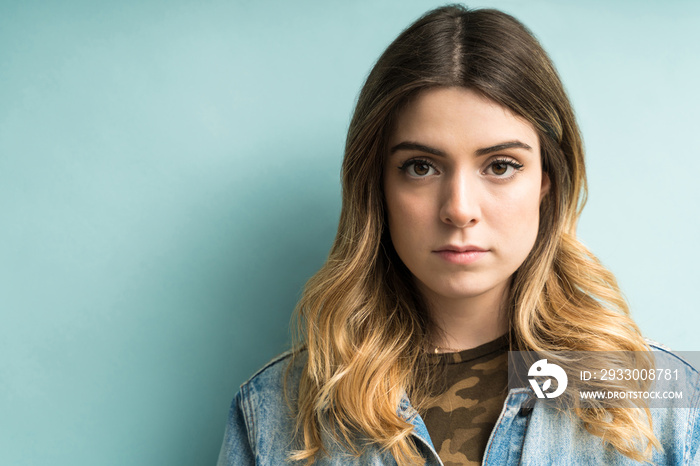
x: 462, y: 411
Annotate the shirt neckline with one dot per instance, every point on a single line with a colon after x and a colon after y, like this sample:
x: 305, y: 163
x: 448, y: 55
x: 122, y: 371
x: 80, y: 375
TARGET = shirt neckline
x: 498, y: 345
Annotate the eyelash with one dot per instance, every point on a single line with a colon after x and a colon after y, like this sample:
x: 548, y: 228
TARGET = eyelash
x: 502, y: 161
x: 412, y: 162
x: 517, y: 166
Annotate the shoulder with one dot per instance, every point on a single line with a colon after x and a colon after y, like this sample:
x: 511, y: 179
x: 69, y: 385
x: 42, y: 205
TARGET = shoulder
x: 282, y: 371
x: 677, y: 424
x: 261, y: 424
x: 663, y: 354
x: 676, y: 372
x: 268, y: 396
x: 660, y: 347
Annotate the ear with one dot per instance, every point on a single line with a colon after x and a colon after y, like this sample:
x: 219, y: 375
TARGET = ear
x: 544, y: 189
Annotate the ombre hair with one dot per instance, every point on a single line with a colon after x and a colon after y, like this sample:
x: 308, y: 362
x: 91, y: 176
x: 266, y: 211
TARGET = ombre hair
x: 361, y: 321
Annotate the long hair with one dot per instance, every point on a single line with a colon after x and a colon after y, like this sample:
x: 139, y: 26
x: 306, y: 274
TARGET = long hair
x: 360, y: 320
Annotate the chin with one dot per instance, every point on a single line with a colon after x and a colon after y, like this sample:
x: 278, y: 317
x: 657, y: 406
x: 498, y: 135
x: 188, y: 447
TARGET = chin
x: 460, y: 290
x: 464, y: 293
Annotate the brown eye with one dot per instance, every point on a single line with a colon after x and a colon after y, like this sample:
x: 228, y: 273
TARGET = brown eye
x: 421, y: 169
x: 499, y: 168
x: 418, y: 168
x: 503, y: 169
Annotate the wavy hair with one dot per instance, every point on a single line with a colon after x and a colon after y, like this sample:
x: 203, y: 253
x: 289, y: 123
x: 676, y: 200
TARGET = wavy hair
x: 361, y: 321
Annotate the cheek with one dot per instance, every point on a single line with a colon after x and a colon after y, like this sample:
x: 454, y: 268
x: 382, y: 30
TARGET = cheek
x: 408, y: 215
x: 516, y: 215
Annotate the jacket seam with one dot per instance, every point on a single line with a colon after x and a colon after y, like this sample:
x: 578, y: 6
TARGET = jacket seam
x: 277, y: 359
x: 693, y: 424
x: 430, y: 448
x: 494, y: 433
x: 501, y: 417
x: 249, y: 416
x: 663, y: 349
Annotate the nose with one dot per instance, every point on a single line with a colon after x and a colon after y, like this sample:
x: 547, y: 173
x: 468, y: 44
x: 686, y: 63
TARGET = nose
x: 460, y: 205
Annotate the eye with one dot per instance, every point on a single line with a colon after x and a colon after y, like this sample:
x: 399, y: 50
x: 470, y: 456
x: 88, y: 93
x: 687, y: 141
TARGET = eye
x: 503, y: 168
x: 418, y: 168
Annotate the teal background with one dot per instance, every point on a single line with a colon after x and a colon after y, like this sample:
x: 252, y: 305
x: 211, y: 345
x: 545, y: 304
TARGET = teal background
x: 169, y: 180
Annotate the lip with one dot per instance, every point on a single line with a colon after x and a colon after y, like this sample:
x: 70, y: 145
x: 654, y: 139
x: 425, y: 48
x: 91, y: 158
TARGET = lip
x: 461, y: 254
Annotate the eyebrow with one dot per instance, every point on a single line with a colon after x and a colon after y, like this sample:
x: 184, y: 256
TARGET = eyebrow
x: 418, y: 147
x: 486, y: 150
x: 503, y: 146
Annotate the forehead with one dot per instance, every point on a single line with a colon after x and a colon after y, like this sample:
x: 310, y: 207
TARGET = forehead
x: 456, y: 116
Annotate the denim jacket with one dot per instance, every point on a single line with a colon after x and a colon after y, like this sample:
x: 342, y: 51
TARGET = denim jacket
x: 261, y: 428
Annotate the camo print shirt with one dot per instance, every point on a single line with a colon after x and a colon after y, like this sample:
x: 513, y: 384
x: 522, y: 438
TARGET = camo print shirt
x: 463, y: 410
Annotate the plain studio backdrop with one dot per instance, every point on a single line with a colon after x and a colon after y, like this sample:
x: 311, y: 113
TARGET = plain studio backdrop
x: 169, y: 179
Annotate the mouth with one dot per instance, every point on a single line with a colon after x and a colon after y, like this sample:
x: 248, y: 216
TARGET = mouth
x: 461, y: 254
x: 460, y: 249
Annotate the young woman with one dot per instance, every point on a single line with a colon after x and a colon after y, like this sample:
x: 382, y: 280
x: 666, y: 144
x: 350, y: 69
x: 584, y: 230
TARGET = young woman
x: 463, y: 180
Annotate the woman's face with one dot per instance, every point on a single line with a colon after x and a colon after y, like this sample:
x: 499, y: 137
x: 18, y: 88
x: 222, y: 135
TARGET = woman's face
x: 463, y: 183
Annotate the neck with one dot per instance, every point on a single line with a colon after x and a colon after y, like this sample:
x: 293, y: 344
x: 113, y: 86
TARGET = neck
x: 465, y: 323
